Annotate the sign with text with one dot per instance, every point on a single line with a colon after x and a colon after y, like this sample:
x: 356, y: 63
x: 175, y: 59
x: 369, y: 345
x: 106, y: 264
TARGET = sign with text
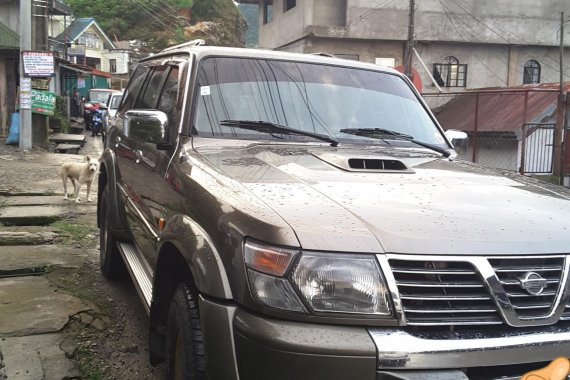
x: 25, y: 93
x: 38, y: 63
x: 43, y: 102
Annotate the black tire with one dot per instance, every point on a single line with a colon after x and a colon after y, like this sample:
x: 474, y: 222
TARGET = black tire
x: 184, y: 354
x: 110, y: 260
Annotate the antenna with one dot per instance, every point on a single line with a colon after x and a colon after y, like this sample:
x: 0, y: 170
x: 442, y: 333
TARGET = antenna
x: 192, y: 43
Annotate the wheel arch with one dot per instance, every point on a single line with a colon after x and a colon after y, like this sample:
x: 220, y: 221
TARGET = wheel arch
x: 108, y: 177
x: 187, y: 256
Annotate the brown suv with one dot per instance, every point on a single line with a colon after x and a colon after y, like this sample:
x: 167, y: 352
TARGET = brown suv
x: 288, y: 216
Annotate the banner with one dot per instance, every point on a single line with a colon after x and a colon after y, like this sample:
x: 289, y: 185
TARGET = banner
x: 38, y: 63
x: 43, y: 102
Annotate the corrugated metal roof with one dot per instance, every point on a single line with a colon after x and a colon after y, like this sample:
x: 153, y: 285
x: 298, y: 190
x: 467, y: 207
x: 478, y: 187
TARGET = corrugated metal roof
x: 75, y: 29
x: 78, y: 27
x: 9, y: 39
x: 501, y: 110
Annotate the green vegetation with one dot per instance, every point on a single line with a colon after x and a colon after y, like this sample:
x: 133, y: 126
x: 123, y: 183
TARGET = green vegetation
x: 73, y: 233
x: 250, y: 13
x: 59, y: 117
x: 88, y: 369
x: 168, y: 22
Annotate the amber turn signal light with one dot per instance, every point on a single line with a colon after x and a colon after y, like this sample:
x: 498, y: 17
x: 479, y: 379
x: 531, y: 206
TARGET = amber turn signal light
x: 270, y: 260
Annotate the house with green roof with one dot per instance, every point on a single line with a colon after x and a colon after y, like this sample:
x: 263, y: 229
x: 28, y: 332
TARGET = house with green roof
x: 86, y: 45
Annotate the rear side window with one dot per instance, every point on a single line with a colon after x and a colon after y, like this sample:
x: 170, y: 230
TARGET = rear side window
x: 133, y: 89
x: 169, y: 96
x: 149, y: 97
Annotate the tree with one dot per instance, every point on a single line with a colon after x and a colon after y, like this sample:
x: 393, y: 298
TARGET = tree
x: 160, y: 23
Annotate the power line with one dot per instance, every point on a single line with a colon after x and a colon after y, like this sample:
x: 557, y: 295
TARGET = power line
x: 157, y: 17
x: 517, y: 40
x: 459, y: 33
x: 368, y: 12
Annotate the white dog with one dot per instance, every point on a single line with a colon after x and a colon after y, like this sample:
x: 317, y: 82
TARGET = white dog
x: 79, y: 174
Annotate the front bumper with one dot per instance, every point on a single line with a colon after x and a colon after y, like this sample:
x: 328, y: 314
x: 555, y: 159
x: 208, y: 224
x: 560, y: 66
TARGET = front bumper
x: 254, y: 347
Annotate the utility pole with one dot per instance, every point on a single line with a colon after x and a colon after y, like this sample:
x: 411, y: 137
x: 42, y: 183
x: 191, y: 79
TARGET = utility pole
x: 558, y: 167
x: 25, y: 83
x: 39, y: 43
x: 410, y: 44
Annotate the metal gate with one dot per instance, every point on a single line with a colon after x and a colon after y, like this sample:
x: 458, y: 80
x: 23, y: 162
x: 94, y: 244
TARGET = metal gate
x: 538, y: 148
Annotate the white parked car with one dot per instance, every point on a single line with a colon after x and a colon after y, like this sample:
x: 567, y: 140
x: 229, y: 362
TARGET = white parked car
x: 112, y: 106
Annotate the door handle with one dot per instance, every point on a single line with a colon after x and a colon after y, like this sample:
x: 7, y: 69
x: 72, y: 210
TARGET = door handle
x: 117, y: 141
x: 139, y: 155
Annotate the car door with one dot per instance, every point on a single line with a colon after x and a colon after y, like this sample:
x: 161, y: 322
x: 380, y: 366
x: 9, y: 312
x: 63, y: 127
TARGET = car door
x: 120, y: 141
x: 150, y: 164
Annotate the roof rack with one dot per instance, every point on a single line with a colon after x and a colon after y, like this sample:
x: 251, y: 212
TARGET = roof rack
x: 322, y: 54
x: 192, y: 43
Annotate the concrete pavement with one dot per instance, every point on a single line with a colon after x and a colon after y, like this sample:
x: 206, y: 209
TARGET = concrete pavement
x: 40, y: 231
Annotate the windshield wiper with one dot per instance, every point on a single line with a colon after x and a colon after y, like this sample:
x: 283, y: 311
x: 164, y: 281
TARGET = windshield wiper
x: 268, y: 127
x: 379, y: 133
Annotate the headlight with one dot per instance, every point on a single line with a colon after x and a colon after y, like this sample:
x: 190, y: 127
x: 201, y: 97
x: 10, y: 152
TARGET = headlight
x: 342, y: 283
x: 329, y: 283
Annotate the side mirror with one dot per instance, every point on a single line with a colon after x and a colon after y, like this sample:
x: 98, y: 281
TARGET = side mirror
x: 103, y: 106
x: 458, y: 138
x: 148, y: 126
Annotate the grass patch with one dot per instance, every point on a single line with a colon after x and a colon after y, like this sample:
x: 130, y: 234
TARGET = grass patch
x: 73, y: 233
x: 88, y: 367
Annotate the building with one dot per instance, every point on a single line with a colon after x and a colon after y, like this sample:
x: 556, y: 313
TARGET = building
x: 93, y: 58
x: 464, y: 44
x: 9, y: 52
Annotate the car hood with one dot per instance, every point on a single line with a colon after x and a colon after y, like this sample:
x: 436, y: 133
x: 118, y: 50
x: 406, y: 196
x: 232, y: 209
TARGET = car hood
x: 426, y: 205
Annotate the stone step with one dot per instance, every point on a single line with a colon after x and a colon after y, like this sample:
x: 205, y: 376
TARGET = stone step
x: 33, y: 259
x: 48, y: 200
x: 67, y: 138
x: 32, y: 215
x: 67, y: 148
x: 30, y: 305
x: 15, y: 238
x: 37, y: 357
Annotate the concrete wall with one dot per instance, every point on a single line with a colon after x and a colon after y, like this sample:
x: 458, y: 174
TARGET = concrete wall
x: 529, y: 22
x: 285, y: 27
x: 122, y: 57
x: 10, y: 15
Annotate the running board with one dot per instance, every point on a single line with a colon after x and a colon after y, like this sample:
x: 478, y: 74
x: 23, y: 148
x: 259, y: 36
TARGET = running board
x: 135, y: 266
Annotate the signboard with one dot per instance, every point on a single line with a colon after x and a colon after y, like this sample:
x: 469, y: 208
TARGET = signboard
x: 38, y: 63
x: 43, y: 102
x: 40, y: 83
x: 25, y: 93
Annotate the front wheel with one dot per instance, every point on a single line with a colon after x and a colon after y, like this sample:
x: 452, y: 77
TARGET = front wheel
x: 110, y: 260
x: 184, y: 344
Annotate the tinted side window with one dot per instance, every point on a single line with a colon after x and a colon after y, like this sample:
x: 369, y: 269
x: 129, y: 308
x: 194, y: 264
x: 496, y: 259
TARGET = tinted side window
x: 132, y: 90
x: 169, y: 97
x: 150, y: 95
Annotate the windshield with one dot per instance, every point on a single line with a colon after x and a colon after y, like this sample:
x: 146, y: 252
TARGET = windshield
x: 310, y: 97
x: 98, y: 96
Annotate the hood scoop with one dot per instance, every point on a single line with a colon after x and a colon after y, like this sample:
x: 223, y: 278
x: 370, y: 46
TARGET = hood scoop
x: 377, y: 164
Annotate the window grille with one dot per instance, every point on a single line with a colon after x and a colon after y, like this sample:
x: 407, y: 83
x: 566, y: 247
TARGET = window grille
x: 450, y: 73
x: 531, y: 73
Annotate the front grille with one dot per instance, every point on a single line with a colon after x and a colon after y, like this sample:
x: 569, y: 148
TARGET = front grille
x: 510, y: 271
x: 448, y: 293
x: 443, y: 293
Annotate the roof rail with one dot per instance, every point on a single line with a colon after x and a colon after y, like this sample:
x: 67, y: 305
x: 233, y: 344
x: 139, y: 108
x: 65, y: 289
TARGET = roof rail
x: 322, y: 54
x: 192, y: 43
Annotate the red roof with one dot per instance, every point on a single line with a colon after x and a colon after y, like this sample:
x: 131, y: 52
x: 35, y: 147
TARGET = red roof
x: 501, y: 109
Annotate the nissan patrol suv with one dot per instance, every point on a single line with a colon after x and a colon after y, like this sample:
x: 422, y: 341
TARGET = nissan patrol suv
x: 292, y: 216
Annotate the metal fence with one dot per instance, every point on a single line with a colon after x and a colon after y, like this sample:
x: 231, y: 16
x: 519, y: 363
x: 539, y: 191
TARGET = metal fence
x: 508, y: 129
x: 537, y: 148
